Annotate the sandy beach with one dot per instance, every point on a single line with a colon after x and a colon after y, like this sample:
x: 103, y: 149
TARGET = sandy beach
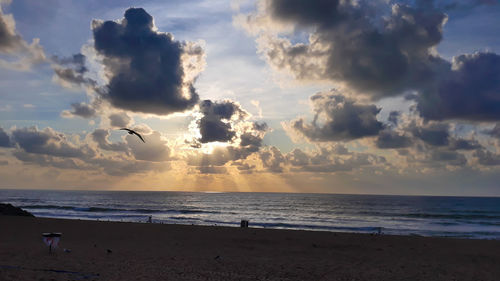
x: 140, y: 251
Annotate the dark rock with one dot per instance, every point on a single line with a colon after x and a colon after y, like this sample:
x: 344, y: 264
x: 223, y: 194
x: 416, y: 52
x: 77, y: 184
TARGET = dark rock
x: 9, y: 210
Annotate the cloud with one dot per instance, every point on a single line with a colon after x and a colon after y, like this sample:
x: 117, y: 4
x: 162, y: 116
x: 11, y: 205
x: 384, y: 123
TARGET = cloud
x: 212, y: 170
x: 4, y: 139
x: 48, y: 142
x: 120, y: 120
x: 247, y: 142
x: 394, y: 117
x: 486, y: 157
x: 449, y: 157
x: 215, y: 124
x: 100, y: 136
x: 147, y: 70
x: 273, y: 160
x: 81, y: 110
x: 470, y: 91
x: 244, y: 168
x: 344, y: 119
x: 379, y: 55
x: 220, y: 156
x: 297, y: 157
x: 71, y: 71
x: 256, y: 103
x: 348, y: 43
x: 154, y: 150
x: 464, y: 144
x: 21, y: 55
x: 48, y: 160
x: 494, y: 132
x: 331, y: 160
x: 49, y: 148
x: 391, y: 139
x: 436, y: 134
x: 124, y: 167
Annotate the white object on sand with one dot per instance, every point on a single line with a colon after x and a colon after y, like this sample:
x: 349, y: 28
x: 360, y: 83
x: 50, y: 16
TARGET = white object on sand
x: 51, y: 239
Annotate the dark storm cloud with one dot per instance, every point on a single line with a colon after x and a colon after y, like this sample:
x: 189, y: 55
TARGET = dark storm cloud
x: 464, y: 144
x: 48, y: 142
x: 470, y: 91
x: 48, y: 148
x: 80, y: 109
x: 344, y: 119
x: 214, y: 125
x: 436, y: 134
x: 306, y: 12
x: 119, y: 119
x: 250, y: 141
x: 449, y: 157
x: 486, y: 157
x: 146, y: 68
x: 383, y: 56
x: 391, y: 139
x: 4, y: 138
x: 347, y: 46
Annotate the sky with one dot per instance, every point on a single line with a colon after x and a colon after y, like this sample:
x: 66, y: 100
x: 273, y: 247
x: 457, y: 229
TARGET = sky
x: 339, y: 96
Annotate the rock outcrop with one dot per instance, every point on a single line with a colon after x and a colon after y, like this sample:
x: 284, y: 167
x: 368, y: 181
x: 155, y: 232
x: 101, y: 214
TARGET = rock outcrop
x: 9, y: 210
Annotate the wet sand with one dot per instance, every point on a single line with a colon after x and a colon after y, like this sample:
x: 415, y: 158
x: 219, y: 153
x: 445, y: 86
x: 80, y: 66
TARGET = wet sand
x: 140, y: 251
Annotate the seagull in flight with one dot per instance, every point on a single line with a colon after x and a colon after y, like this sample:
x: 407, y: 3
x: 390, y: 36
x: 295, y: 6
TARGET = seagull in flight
x: 132, y: 132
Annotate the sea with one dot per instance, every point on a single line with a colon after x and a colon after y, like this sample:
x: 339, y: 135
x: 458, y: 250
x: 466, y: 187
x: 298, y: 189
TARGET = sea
x: 460, y: 217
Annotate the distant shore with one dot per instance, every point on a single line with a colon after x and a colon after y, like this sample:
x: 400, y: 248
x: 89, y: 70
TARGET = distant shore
x: 97, y: 250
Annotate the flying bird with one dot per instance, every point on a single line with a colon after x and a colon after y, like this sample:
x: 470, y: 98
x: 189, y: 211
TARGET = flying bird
x: 132, y: 132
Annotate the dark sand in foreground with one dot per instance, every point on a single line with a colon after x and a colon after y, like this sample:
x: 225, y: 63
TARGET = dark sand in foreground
x: 179, y: 252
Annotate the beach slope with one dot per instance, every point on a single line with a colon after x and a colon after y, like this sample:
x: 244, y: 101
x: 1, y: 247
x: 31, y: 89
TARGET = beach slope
x: 138, y: 251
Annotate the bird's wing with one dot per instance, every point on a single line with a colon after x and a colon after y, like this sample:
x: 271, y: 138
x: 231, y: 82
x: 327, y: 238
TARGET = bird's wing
x: 137, y: 134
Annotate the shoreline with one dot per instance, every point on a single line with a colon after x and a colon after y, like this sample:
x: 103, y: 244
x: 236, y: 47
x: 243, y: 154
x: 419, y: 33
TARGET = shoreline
x: 144, y: 251
x: 373, y: 230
